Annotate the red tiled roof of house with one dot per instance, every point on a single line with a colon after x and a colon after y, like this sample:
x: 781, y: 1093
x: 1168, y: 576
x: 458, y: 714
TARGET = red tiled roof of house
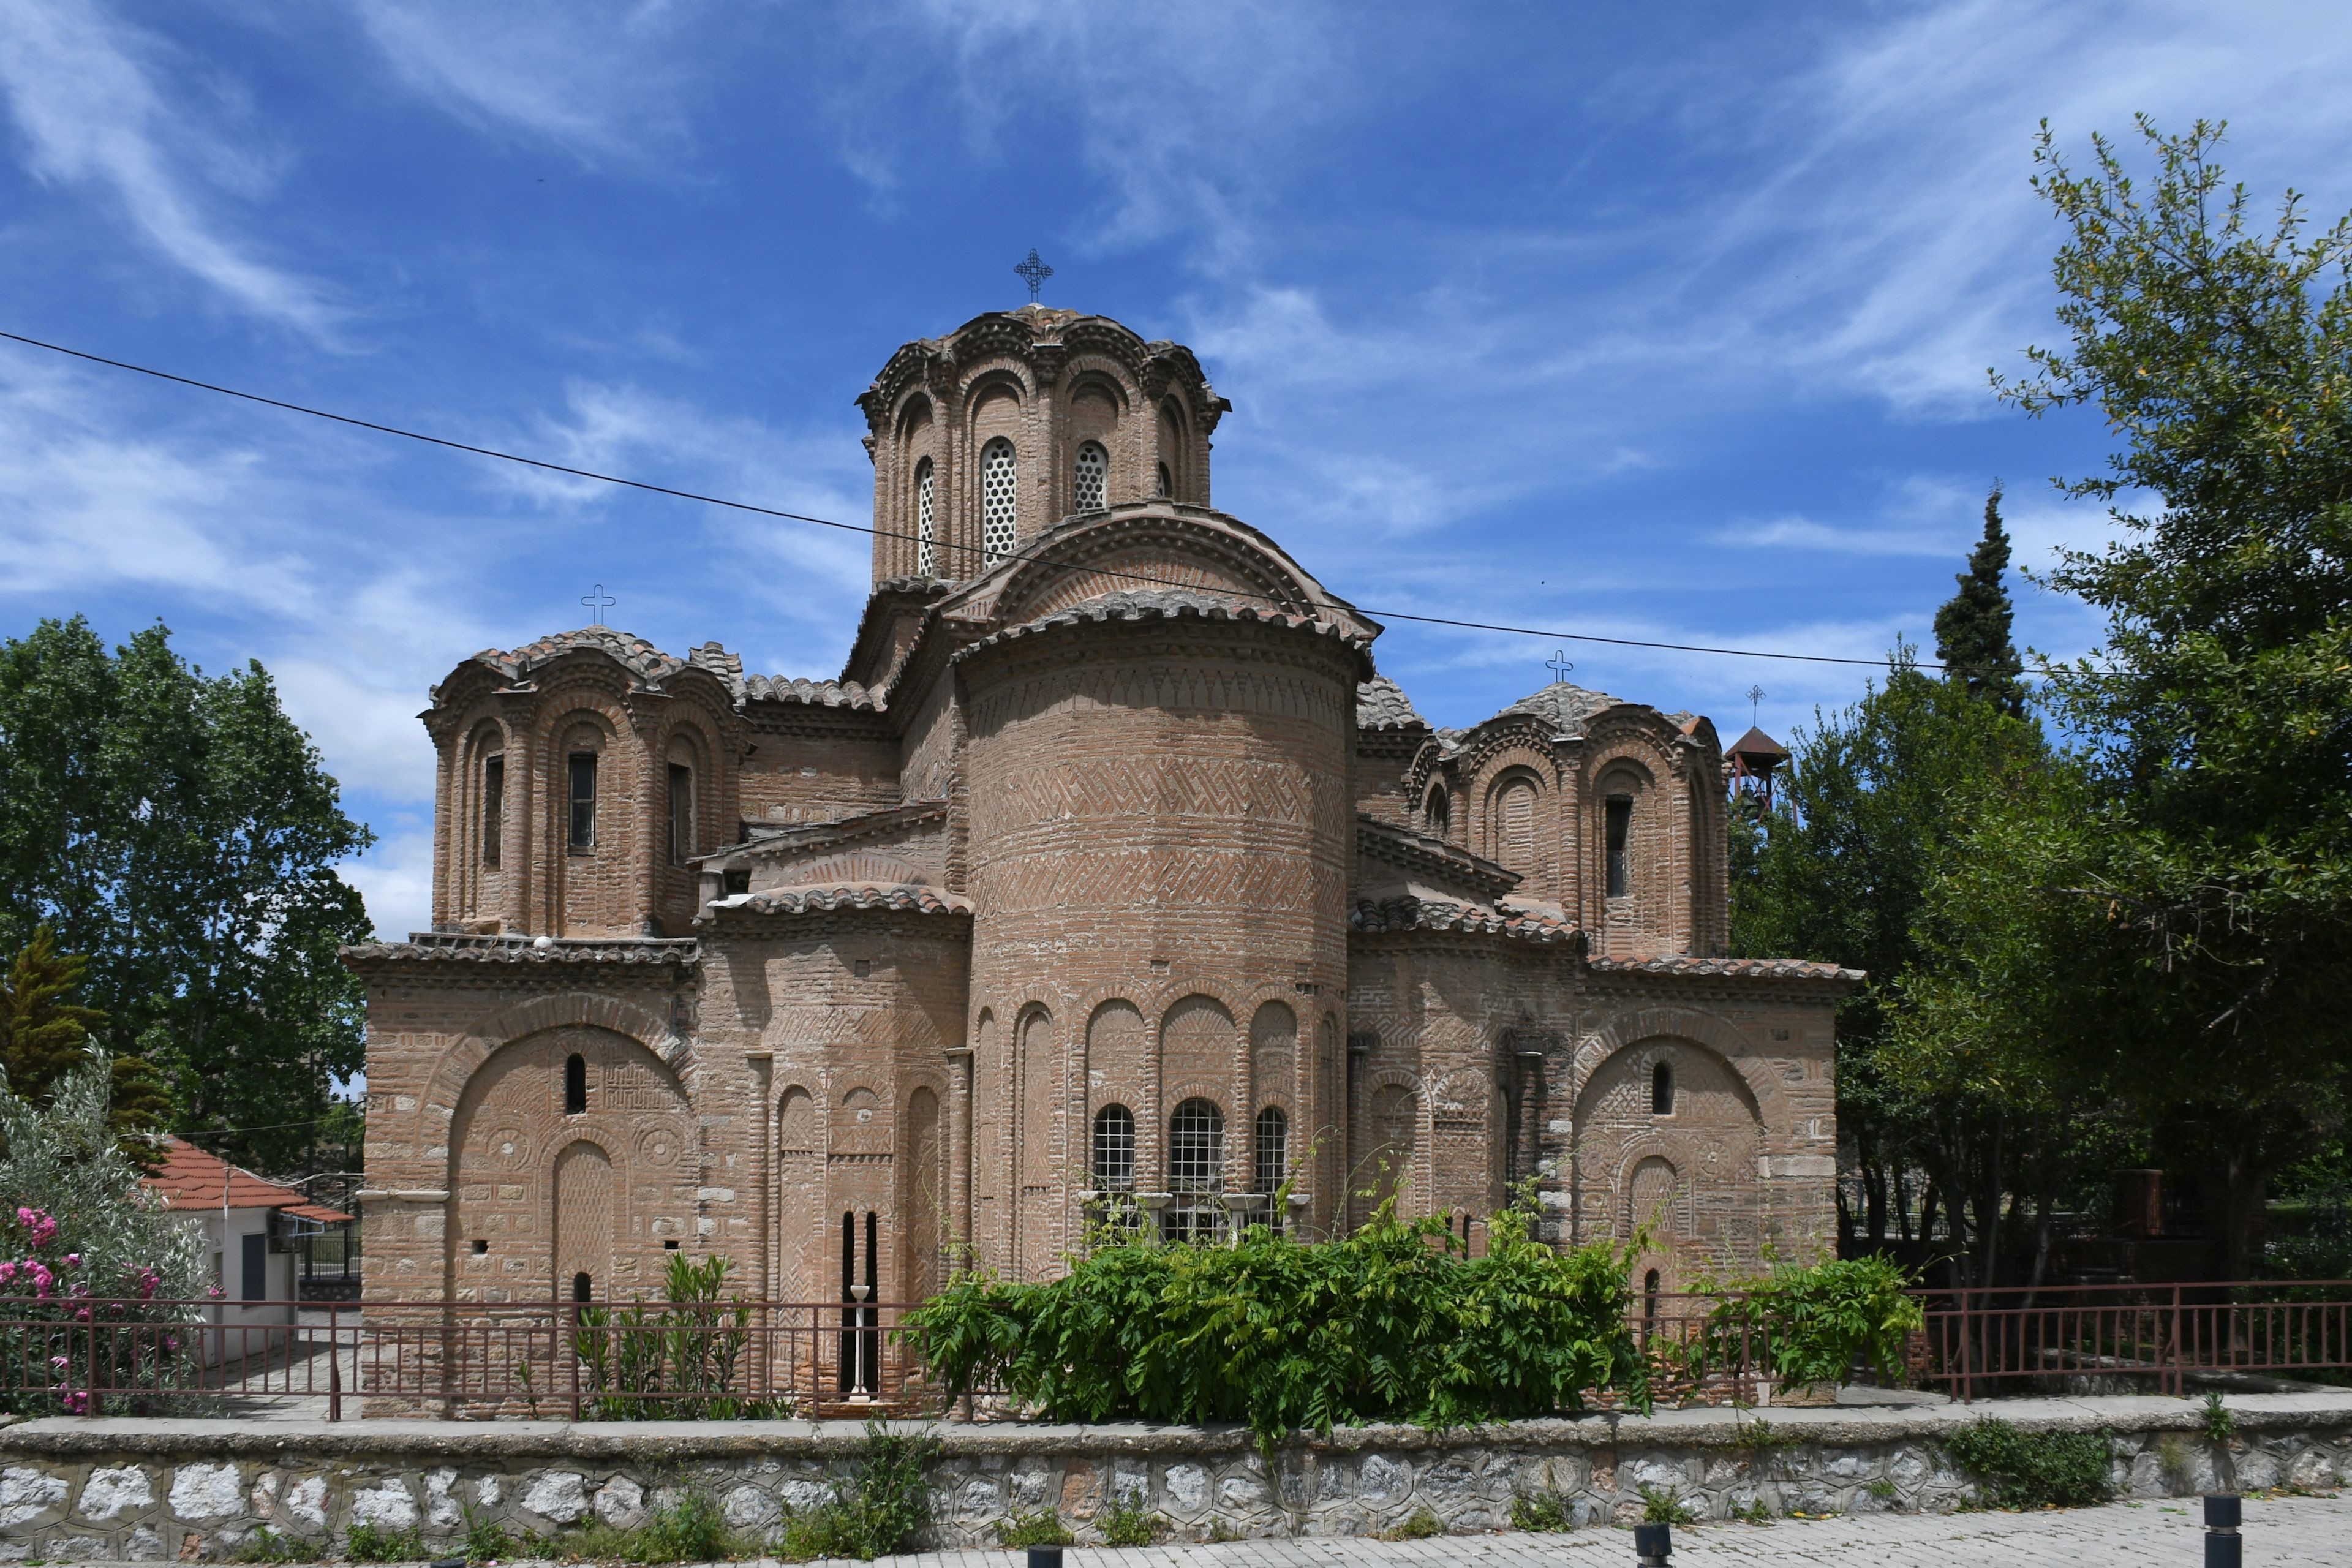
x: 191, y: 1179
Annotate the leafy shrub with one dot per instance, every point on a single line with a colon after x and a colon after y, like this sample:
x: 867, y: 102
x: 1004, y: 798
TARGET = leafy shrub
x: 1807, y: 1324
x: 1042, y: 1527
x: 1126, y: 1523
x: 77, y: 1230
x: 687, y: 1528
x: 877, y: 1511
x: 1755, y: 1439
x: 2219, y: 1422
x: 266, y: 1545
x: 370, y: 1543
x: 2017, y: 1469
x: 1545, y: 1511
x: 1665, y: 1505
x: 486, y: 1540
x: 1394, y: 1321
x: 1420, y: 1526
x: 674, y: 1360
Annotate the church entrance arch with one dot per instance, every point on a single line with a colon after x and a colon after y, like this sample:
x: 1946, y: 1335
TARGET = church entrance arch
x: 571, y: 1154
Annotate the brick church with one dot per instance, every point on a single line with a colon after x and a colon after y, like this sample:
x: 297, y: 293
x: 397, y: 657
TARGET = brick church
x: 1109, y: 884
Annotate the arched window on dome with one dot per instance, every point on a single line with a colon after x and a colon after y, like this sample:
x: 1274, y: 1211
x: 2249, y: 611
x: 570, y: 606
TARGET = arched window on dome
x: 1167, y: 483
x: 1092, y: 491
x: 999, y: 496
x: 1438, y: 815
x: 927, y: 550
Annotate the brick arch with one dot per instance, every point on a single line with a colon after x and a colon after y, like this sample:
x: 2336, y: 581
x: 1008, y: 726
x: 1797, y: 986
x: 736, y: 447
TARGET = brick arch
x: 1689, y: 1027
x: 558, y: 1010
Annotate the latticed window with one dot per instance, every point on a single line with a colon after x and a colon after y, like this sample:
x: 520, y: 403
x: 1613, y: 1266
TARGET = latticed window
x: 998, y: 496
x: 1115, y: 1149
x: 927, y: 550
x: 1094, y: 477
x: 1272, y: 1158
x: 1196, y: 1164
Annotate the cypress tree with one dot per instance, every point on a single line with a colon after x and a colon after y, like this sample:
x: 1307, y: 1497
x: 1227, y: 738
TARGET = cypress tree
x: 1972, y: 628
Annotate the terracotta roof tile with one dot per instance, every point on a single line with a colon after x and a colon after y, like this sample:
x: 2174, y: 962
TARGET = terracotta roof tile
x: 1382, y: 704
x: 1411, y: 915
x: 189, y: 1178
x: 1733, y: 968
x: 442, y: 947
x: 1163, y: 604
x: 910, y: 897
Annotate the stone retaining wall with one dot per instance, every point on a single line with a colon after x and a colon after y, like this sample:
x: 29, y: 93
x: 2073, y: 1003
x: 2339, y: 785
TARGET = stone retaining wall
x: 149, y: 1491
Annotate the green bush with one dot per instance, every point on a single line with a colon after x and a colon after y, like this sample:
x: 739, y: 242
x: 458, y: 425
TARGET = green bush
x: 1420, y: 1526
x: 677, y: 1359
x: 374, y: 1543
x: 1126, y: 1523
x: 266, y: 1545
x: 486, y: 1540
x: 1809, y: 1324
x: 1394, y: 1321
x: 877, y: 1511
x: 1042, y: 1527
x: 688, y: 1528
x: 1546, y: 1511
x: 1665, y: 1505
x: 2017, y: 1469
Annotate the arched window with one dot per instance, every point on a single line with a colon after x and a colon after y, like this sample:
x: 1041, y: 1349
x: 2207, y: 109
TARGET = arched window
x: 1273, y: 1148
x: 681, y: 813
x: 927, y: 550
x: 494, y: 805
x: 1438, y: 815
x: 1093, y: 490
x: 1115, y: 1149
x: 583, y: 1288
x: 1196, y: 1166
x: 575, y: 1085
x: 1167, y: 483
x: 1662, y: 1091
x: 1515, y: 828
x: 1618, y: 828
x: 999, y: 498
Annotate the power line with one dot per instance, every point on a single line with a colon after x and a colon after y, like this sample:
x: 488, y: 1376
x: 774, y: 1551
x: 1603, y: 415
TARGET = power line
x: 696, y: 495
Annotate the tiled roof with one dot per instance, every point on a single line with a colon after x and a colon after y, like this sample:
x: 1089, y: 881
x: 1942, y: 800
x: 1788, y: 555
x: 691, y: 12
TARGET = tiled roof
x: 1732, y: 968
x: 906, y: 898
x: 1382, y: 704
x: 1163, y: 604
x: 811, y: 693
x: 189, y: 1178
x: 442, y: 947
x: 633, y: 651
x: 1755, y: 743
x: 1411, y: 915
x: 1419, y: 852
x: 1566, y: 707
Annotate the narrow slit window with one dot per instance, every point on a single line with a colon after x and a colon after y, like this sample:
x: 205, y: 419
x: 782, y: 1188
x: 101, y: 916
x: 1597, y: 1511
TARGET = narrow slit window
x: 927, y: 547
x: 1092, y: 491
x: 494, y: 807
x: 681, y: 814
x: 1620, y: 829
x: 583, y: 1288
x: 575, y: 1085
x: 1662, y: 1091
x: 583, y: 801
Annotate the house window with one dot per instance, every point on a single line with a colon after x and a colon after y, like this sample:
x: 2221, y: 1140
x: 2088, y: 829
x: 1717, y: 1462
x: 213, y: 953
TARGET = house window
x: 1620, y: 828
x: 1115, y: 1149
x: 584, y: 802
x: 575, y: 1085
x: 1092, y: 477
x: 1196, y: 1163
x: 681, y: 814
x: 927, y: 550
x: 494, y: 807
x: 1662, y: 1091
x: 999, y: 499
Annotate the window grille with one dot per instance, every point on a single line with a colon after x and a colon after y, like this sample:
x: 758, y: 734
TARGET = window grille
x: 1115, y: 1149
x: 927, y: 552
x: 1094, y: 477
x: 494, y: 807
x: 1620, y: 831
x: 1196, y: 1164
x: 1272, y: 1160
x: 999, y: 495
x: 583, y: 801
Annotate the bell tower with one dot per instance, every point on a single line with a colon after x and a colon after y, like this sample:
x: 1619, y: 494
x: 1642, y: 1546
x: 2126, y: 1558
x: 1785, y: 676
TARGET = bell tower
x: 984, y: 438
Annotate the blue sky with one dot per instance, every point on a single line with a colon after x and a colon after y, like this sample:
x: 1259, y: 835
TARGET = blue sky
x: 1657, y: 321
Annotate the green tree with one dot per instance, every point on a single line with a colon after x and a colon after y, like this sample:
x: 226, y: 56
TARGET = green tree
x: 2218, y: 715
x: 1972, y: 629
x: 44, y: 1035
x: 178, y: 829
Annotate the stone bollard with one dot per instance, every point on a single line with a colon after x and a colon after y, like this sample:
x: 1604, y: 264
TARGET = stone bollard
x: 1045, y: 1557
x: 1654, y: 1543
x: 2224, y: 1547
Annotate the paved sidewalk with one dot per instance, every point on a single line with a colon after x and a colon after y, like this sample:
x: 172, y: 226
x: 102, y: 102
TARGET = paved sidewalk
x: 2286, y: 1532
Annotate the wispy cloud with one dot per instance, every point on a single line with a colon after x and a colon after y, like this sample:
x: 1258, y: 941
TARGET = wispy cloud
x: 81, y: 87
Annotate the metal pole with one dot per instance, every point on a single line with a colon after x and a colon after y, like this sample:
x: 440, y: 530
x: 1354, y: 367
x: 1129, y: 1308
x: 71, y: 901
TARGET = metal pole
x: 1654, y: 1544
x: 2224, y: 1547
x: 334, y: 1364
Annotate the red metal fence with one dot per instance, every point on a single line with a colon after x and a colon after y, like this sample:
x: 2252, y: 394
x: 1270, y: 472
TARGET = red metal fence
x: 731, y: 1359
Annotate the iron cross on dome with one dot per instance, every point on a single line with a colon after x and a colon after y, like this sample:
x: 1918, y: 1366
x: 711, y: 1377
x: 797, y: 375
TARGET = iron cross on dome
x: 1033, y: 272
x: 598, y: 602
x: 1559, y: 664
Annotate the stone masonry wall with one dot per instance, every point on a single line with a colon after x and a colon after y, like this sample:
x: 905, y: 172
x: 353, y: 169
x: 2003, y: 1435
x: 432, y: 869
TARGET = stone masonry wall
x: 149, y: 1491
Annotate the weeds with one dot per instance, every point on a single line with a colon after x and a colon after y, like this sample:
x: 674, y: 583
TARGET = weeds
x: 1545, y: 1512
x: 1755, y: 1439
x: 1126, y: 1523
x: 1421, y: 1526
x: 1880, y: 1488
x: 688, y: 1528
x: 486, y: 1540
x: 266, y: 1545
x: 876, y: 1511
x: 372, y: 1543
x: 1665, y: 1505
x: 1042, y: 1527
x: 2219, y: 1422
x: 1220, y: 1531
x: 1754, y: 1513
x: 2016, y: 1469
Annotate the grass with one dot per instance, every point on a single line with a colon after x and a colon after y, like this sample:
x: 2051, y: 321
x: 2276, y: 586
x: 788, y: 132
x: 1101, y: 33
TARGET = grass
x: 1126, y: 1523
x: 2017, y: 1469
x: 1420, y: 1526
x: 1665, y: 1505
x: 1881, y: 1489
x: 371, y: 1542
x: 486, y: 1540
x: 1042, y: 1527
x: 266, y: 1545
x: 1545, y: 1512
x: 876, y: 1511
x: 688, y: 1528
x: 1754, y: 1439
